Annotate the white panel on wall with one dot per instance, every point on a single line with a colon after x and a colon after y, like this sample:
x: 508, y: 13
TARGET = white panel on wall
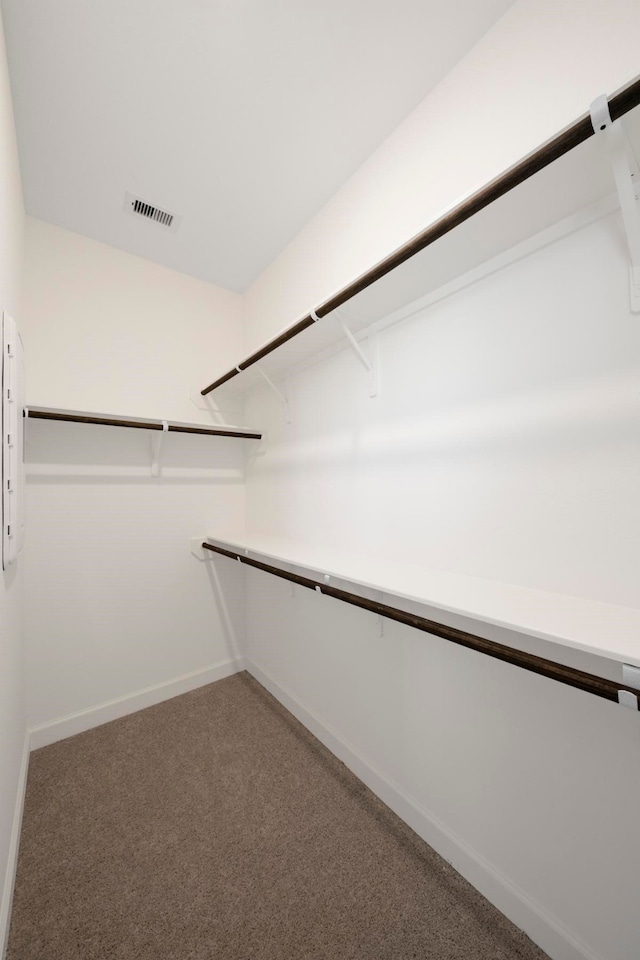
x: 12, y: 442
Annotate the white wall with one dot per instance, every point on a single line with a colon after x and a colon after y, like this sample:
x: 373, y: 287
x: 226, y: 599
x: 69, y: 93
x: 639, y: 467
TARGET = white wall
x: 515, y: 399
x: 503, y: 444
x: 116, y: 602
x: 109, y: 331
x: 534, y: 73
x: 12, y: 714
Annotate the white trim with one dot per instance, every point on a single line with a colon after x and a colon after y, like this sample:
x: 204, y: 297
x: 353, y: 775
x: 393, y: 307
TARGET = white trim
x: 14, y: 844
x: 46, y: 733
x: 542, y: 927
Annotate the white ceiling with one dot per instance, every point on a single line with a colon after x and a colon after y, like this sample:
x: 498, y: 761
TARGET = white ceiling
x: 243, y: 116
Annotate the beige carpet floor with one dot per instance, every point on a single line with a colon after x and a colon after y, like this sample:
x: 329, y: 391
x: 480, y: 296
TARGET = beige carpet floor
x: 215, y: 827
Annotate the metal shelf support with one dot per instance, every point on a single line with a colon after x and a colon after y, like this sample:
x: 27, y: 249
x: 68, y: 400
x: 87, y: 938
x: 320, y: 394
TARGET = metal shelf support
x: 627, y: 180
x: 369, y: 363
x: 279, y: 393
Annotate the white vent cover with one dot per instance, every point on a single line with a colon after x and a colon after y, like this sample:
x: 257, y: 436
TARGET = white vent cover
x: 138, y: 207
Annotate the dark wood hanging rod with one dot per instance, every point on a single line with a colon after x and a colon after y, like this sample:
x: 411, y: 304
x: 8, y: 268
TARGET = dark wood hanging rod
x: 573, y: 136
x: 140, y: 424
x: 599, y: 686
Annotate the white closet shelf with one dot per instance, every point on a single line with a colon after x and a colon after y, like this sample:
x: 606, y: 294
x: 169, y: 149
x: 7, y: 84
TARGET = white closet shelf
x: 479, y: 230
x: 140, y: 423
x: 602, y: 629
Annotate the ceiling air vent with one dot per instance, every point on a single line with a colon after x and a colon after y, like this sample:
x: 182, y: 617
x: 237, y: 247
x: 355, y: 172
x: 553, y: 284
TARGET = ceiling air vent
x: 142, y: 208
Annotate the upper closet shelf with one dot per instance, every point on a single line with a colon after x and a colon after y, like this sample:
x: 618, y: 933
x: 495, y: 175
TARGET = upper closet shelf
x: 139, y: 423
x: 602, y: 629
x: 569, y: 181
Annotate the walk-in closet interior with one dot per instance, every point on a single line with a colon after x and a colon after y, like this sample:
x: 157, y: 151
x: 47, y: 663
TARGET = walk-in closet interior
x: 320, y: 601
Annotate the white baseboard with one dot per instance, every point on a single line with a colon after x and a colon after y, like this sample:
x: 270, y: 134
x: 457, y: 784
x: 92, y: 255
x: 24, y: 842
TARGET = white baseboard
x: 543, y: 928
x: 14, y: 844
x: 47, y: 733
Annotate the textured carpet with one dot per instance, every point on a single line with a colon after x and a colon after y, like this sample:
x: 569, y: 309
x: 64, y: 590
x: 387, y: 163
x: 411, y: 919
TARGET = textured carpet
x: 215, y: 827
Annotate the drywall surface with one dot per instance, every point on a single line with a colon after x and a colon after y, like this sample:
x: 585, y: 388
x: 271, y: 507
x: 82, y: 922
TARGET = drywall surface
x: 116, y: 602
x: 12, y: 711
x: 515, y: 399
x: 108, y: 331
x: 534, y: 73
x: 504, y: 444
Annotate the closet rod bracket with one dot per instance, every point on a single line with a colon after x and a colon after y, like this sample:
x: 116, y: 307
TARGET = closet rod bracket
x: 627, y: 179
x: 197, y: 549
x: 156, y: 446
x: 631, y: 678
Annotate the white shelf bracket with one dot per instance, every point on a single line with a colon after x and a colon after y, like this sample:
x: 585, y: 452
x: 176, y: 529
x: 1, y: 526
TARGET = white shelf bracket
x: 369, y: 363
x: 627, y: 180
x: 279, y: 393
x: 156, y: 446
x: 630, y: 676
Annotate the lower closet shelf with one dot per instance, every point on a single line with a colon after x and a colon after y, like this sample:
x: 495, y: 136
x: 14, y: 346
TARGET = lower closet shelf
x: 601, y: 629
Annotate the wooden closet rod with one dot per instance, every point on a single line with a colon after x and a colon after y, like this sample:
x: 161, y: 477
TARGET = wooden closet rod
x: 576, y: 134
x: 608, y: 689
x: 139, y: 424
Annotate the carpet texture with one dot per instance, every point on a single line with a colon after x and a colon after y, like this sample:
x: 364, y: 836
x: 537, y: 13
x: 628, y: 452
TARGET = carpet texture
x: 215, y: 827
